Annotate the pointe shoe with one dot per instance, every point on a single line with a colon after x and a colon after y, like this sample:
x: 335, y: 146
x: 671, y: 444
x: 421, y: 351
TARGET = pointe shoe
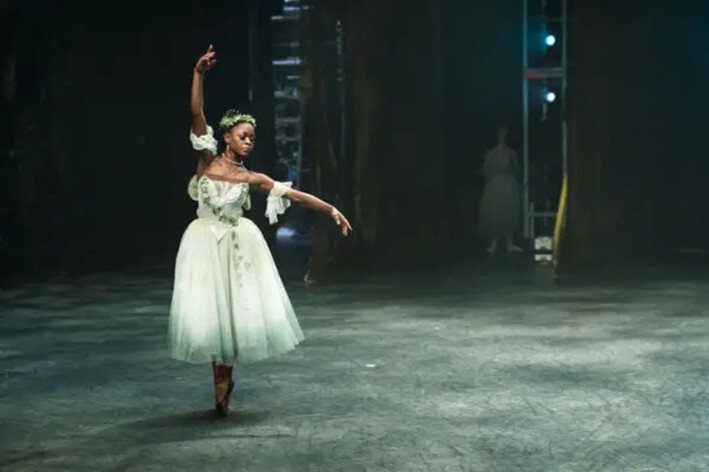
x: 491, y: 250
x: 230, y: 387
x: 223, y: 386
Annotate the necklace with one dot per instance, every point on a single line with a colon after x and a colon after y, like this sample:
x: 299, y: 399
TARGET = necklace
x: 232, y: 162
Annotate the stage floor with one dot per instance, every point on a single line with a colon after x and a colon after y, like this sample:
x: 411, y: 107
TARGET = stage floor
x: 492, y: 371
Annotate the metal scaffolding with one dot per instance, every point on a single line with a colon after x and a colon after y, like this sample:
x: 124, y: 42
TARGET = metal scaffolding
x: 536, y: 71
x: 288, y: 111
x: 290, y: 104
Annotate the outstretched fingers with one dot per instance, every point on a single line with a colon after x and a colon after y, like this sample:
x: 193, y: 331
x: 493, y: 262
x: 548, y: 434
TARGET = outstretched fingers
x: 344, y: 224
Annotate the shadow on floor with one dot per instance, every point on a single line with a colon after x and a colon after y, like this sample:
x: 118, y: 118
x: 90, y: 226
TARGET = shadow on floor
x: 174, y: 428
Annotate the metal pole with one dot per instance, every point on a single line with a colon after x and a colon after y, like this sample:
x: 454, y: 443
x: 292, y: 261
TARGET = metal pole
x: 252, y: 18
x: 564, y: 67
x: 301, y: 107
x: 342, y: 167
x: 299, y: 162
x: 341, y: 78
x: 525, y: 121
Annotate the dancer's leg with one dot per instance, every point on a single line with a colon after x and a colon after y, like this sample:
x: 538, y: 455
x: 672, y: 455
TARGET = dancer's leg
x: 493, y: 244
x: 511, y: 247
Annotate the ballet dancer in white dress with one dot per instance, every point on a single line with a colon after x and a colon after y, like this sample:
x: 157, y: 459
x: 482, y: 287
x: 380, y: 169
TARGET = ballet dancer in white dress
x: 229, y: 305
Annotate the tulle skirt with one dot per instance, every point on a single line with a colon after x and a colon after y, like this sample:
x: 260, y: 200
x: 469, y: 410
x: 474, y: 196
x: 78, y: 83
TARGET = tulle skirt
x: 228, y: 302
x: 500, y: 206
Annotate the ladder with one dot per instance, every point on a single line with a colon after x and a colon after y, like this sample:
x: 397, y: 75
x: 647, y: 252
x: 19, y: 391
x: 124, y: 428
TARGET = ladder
x: 545, y: 35
x: 288, y: 110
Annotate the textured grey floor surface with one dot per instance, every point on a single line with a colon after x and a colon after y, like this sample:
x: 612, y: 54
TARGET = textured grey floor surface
x: 447, y: 374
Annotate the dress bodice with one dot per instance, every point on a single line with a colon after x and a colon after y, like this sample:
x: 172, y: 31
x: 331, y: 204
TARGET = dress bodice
x: 225, y: 202
x: 222, y: 201
x: 500, y: 161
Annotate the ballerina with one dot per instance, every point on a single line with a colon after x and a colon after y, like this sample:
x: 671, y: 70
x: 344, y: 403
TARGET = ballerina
x: 229, y: 304
x: 499, y: 206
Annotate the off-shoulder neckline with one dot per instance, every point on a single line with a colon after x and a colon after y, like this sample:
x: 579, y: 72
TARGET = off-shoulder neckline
x: 205, y: 176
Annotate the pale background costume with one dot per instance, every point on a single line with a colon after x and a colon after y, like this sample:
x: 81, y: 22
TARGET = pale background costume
x: 500, y: 203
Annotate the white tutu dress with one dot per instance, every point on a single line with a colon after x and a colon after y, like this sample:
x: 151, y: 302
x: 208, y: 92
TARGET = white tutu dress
x: 500, y: 202
x: 229, y: 304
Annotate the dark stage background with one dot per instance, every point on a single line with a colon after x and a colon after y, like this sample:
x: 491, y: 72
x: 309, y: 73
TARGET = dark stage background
x: 639, y: 126
x: 95, y: 157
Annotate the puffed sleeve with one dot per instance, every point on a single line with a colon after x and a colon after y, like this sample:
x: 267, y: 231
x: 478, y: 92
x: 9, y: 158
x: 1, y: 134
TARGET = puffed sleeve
x: 206, y: 142
x: 276, y: 204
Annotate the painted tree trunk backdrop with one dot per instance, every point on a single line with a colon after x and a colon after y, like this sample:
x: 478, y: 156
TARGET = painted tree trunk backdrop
x: 386, y: 180
x: 636, y: 130
x: 97, y: 155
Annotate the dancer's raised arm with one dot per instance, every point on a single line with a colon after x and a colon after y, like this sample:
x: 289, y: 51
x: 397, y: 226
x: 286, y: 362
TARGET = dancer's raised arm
x: 199, y: 121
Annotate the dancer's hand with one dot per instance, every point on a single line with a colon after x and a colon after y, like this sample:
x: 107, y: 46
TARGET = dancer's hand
x: 341, y: 221
x: 206, y: 62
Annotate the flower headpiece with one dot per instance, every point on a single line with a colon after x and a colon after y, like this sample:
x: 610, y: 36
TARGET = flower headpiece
x: 233, y: 117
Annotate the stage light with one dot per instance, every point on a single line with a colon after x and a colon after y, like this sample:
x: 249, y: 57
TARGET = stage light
x: 550, y: 40
x: 549, y: 96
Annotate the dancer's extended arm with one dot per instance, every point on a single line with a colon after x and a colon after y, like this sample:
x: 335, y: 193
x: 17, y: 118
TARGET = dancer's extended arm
x: 276, y: 190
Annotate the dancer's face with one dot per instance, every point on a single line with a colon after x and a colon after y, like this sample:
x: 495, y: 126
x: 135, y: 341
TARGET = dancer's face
x: 240, y: 139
